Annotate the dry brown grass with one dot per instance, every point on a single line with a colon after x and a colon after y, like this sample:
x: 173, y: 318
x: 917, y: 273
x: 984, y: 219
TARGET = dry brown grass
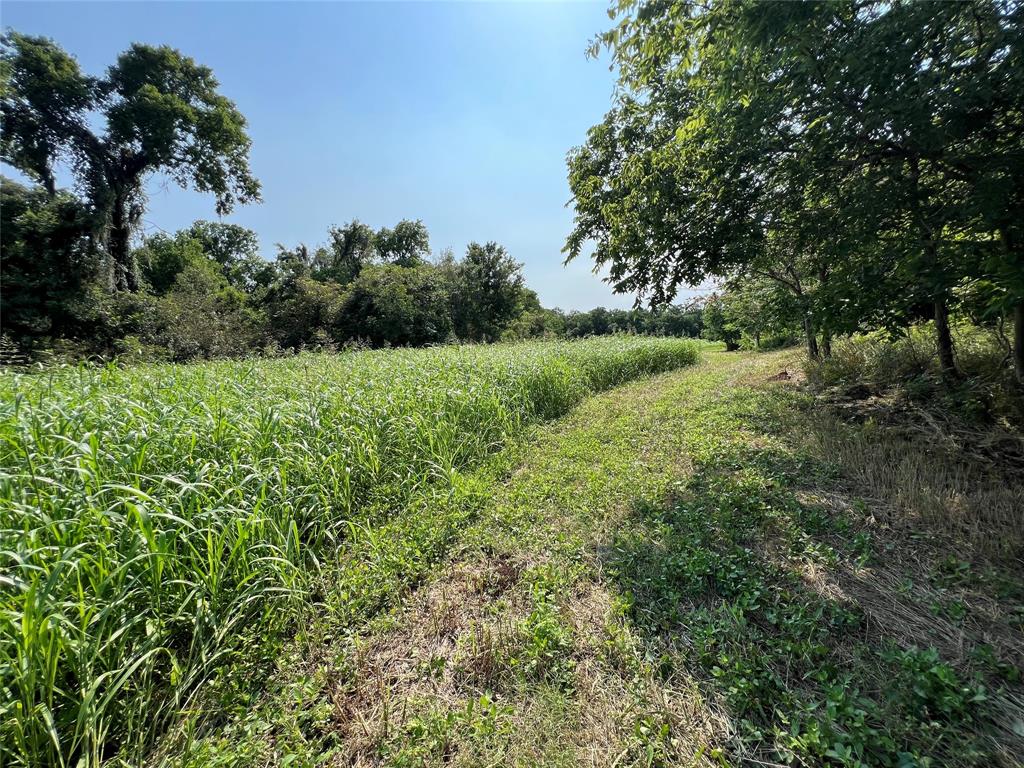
x: 902, y: 604
x: 905, y: 615
x: 445, y: 645
x: 968, y: 486
x: 932, y: 494
x: 452, y: 642
x: 619, y: 693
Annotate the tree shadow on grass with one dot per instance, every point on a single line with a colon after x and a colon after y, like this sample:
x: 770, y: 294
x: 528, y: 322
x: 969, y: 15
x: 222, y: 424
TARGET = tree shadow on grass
x: 738, y: 580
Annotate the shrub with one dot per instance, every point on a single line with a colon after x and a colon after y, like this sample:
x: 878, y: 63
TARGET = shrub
x: 395, y: 306
x: 202, y: 317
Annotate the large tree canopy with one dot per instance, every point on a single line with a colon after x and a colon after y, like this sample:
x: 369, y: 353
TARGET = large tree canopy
x: 407, y: 245
x: 489, y: 285
x: 154, y: 110
x: 865, y: 153
x: 45, y: 260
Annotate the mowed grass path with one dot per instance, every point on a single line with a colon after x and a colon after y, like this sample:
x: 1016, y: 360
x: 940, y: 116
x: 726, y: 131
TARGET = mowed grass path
x: 670, y: 575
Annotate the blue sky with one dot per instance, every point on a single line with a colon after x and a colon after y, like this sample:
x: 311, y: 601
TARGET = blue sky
x: 456, y: 113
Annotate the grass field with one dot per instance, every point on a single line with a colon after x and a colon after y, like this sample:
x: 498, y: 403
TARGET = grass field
x: 163, y: 524
x: 675, y: 574
x: 588, y: 554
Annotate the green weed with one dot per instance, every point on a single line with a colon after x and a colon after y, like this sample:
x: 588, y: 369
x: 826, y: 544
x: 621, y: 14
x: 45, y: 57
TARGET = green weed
x: 789, y: 663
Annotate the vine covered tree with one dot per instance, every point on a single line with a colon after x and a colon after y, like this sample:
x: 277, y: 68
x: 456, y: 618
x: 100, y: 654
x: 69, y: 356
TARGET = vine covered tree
x: 153, y: 111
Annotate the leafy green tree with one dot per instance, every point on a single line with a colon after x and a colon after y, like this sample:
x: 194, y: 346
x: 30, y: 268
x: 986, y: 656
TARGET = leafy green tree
x: 304, y: 312
x: 407, y: 245
x: 352, y: 247
x: 873, y: 148
x: 47, y: 261
x: 676, y: 320
x: 236, y: 250
x: 648, y: 205
x: 154, y: 111
x: 292, y: 264
x: 162, y: 257
x: 671, y: 320
x: 595, y: 322
x: 536, y: 324
x: 488, y: 292
x: 880, y: 91
x: 388, y: 305
x: 765, y: 309
x: 111, y: 323
x: 202, y: 316
x: 718, y: 325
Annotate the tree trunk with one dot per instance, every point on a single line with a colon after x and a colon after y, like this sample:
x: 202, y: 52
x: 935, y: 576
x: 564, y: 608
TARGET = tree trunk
x: 1014, y: 256
x: 812, y: 339
x: 944, y: 340
x: 119, y: 245
x: 757, y: 340
x: 933, y: 274
x: 826, y: 336
x: 1018, y: 342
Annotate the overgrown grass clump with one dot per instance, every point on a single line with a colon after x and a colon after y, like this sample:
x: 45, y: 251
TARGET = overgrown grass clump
x: 907, y: 367
x: 158, y: 521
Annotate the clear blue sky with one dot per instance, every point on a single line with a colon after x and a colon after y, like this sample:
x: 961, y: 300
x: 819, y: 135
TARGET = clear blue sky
x: 459, y: 114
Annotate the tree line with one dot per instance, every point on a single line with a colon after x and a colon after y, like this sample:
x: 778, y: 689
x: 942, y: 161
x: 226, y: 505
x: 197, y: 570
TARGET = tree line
x: 206, y: 291
x: 78, y: 279
x: 844, y: 166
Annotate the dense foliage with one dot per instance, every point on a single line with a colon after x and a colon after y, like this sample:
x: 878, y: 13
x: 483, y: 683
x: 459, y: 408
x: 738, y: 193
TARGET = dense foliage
x: 206, y: 292
x: 159, y: 521
x: 846, y: 165
x: 160, y: 111
x: 80, y: 281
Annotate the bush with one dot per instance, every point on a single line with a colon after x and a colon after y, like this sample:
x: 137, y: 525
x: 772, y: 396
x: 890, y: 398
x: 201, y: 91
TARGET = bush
x: 304, y: 310
x: 876, y: 362
x: 768, y: 341
x: 395, y: 306
x: 202, y: 317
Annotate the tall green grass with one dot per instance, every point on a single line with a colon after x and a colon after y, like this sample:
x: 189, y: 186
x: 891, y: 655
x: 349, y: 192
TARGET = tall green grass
x: 155, y: 519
